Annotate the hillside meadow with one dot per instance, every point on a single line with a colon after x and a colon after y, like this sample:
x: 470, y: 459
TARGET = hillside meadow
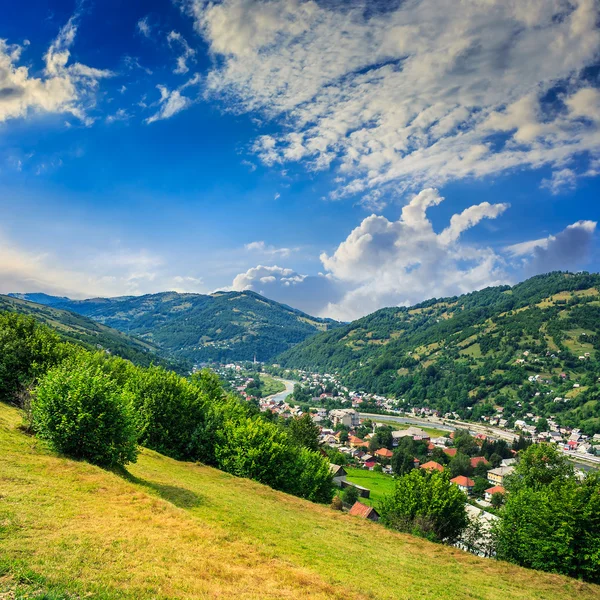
x: 168, y: 529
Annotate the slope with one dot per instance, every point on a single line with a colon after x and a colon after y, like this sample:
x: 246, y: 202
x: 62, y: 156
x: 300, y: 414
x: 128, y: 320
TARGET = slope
x: 518, y: 347
x: 218, y: 327
x: 80, y: 329
x: 179, y: 530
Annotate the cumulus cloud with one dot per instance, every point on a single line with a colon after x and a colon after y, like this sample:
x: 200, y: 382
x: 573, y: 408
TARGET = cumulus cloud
x: 399, y: 263
x: 176, y: 40
x: 120, y: 272
x: 565, y: 251
x: 419, y: 93
x: 309, y: 293
x: 402, y: 262
x: 62, y: 87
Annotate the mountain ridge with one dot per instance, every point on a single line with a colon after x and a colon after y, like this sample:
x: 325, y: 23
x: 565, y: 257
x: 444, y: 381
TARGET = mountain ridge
x: 471, y: 354
x: 222, y: 326
x: 82, y: 330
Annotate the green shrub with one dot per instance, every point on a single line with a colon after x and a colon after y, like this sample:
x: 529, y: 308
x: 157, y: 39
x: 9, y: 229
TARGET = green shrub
x: 83, y: 413
x: 426, y: 504
x: 350, y: 495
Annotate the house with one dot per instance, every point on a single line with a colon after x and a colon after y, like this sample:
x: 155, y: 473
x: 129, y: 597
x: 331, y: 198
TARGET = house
x: 356, y: 442
x: 507, y: 462
x: 464, y: 483
x: 339, y: 473
x: 384, y: 453
x: 414, y: 432
x: 344, y: 416
x: 450, y: 452
x: 370, y: 463
x: 432, y: 466
x: 496, y: 489
x: 478, y: 459
x: 365, y: 512
x: 496, y: 476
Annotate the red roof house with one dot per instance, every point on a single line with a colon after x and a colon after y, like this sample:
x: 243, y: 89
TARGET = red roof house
x: 450, y: 451
x: 477, y: 459
x: 384, y: 453
x: 497, y: 489
x: 464, y: 483
x: 432, y: 466
x: 362, y: 510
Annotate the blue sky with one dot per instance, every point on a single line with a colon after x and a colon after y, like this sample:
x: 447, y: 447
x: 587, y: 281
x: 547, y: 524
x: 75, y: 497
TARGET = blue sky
x: 337, y: 156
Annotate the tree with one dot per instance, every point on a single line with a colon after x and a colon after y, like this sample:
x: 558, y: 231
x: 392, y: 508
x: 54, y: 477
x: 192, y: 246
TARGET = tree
x: 481, y: 484
x: 402, y: 461
x: 350, y: 495
x: 497, y: 499
x: 539, y: 466
x: 85, y: 414
x: 551, y: 521
x: 460, y: 464
x: 27, y: 351
x: 170, y: 412
x: 481, y: 469
x: 541, y: 425
x: 304, y: 432
x: 426, y: 504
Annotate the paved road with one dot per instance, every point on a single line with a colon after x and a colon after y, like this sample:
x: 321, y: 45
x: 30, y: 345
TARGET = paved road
x: 406, y: 421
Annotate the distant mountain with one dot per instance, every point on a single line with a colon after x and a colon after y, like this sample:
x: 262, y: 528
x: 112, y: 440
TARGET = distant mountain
x: 80, y: 329
x: 218, y: 327
x: 519, y: 348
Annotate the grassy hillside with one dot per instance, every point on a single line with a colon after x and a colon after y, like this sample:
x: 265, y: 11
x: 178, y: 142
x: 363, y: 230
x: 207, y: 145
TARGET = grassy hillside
x: 80, y: 329
x: 222, y: 326
x: 472, y: 352
x: 179, y: 530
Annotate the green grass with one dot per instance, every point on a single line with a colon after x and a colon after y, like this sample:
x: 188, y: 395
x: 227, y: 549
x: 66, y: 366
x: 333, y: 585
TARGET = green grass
x: 168, y: 529
x: 270, y: 385
x: 379, y: 484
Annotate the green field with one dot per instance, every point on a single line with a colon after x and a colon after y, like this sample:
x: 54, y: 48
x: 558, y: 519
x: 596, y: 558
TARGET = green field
x: 270, y: 385
x: 379, y: 483
x: 168, y: 529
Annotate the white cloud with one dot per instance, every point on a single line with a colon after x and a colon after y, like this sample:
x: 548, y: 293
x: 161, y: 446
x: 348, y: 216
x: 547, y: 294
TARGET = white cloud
x: 173, y: 101
x: 61, y: 88
x: 402, y: 262
x: 144, y: 27
x: 267, y: 250
x: 420, y: 93
x: 120, y: 272
x: 399, y: 263
x: 309, y: 293
x: 176, y: 39
x: 565, y: 251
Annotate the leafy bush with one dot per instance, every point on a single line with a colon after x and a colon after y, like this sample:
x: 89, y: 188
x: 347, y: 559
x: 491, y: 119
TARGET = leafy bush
x: 27, y: 350
x: 350, y: 495
x: 426, y: 504
x: 551, y: 521
x: 83, y: 413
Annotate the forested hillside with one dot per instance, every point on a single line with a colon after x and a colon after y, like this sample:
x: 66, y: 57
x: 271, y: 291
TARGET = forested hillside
x: 533, y: 346
x: 82, y: 330
x: 218, y: 327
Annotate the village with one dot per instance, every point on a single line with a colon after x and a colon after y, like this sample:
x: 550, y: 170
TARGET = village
x: 320, y: 394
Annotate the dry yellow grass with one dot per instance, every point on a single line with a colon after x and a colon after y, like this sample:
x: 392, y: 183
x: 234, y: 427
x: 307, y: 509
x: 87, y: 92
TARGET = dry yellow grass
x: 178, y: 530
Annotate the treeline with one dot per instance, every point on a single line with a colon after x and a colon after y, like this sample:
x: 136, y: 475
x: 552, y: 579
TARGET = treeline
x: 100, y: 408
x: 550, y: 520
